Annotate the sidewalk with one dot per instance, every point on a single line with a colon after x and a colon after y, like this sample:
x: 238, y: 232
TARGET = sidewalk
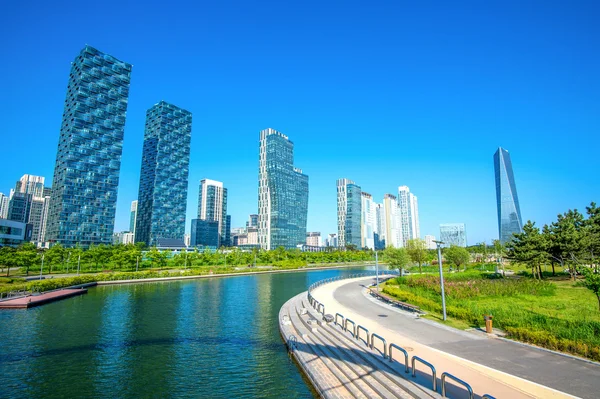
x: 500, y: 368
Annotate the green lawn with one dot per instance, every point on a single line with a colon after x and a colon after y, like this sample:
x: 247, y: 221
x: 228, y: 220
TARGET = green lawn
x: 555, y: 314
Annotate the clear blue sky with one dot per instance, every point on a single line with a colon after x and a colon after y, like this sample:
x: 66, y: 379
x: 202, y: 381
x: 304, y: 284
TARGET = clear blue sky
x: 384, y: 93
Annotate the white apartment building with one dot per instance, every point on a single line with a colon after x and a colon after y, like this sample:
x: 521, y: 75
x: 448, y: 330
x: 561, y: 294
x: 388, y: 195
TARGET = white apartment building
x: 3, y: 206
x: 368, y: 221
x: 393, y: 230
x: 429, y: 242
x: 409, y: 214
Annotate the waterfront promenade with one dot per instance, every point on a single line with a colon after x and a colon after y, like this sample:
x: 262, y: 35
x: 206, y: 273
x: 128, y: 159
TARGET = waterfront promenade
x: 495, y: 366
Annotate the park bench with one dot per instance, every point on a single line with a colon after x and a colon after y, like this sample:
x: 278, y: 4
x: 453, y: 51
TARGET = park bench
x: 394, y: 301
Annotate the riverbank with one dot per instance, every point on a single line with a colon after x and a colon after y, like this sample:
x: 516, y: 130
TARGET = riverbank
x: 62, y: 281
x: 499, y: 367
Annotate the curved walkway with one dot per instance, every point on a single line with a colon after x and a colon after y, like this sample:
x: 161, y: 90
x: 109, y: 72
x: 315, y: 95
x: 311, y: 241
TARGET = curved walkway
x: 501, y: 368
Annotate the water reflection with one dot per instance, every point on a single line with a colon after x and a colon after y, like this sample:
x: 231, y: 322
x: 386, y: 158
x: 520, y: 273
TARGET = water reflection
x: 213, y: 338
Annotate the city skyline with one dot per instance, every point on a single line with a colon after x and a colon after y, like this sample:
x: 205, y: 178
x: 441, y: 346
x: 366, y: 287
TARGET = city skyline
x: 484, y: 99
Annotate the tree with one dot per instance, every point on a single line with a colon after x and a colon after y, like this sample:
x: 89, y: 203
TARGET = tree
x: 417, y: 250
x: 457, y: 256
x: 8, y: 258
x: 528, y: 247
x: 157, y: 258
x: 564, y: 240
x: 592, y: 234
x: 54, y: 255
x: 592, y: 282
x: 26, y: 256
x: 397, y: 258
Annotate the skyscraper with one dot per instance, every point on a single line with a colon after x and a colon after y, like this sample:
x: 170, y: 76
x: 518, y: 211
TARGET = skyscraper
x: 88, y: 161
x: 453, y: 234
x: 409, y: 214
x: 133, y: 217
x: 380, y: 229
x: 393, y: 231
x: 162, y: 195
x: 212, y: 205
x: 507, y: 200
x: 29, y: 204
x: 282, y: 193
x: 368, y: 221
x: 342, y: 209
x: 3, y: 206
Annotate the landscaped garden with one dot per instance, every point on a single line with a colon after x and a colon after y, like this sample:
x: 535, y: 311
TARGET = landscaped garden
x: 558, y: 314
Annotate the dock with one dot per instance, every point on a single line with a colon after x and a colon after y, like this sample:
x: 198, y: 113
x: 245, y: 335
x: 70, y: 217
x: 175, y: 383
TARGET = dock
x: 31, y: 301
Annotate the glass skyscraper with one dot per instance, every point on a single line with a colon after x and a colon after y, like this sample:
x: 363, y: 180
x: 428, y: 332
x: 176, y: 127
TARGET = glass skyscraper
x: 507, y: 201
x: 162, y: 195
x: 282, y: 193
x: 88, y: 161
x: 352, y: 228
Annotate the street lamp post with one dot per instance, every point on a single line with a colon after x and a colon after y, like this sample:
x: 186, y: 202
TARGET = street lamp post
x: 137, y: 263
x: 439, y: 249
x: 78, y: 263
x: 377, y: 270
x: 42, y: 268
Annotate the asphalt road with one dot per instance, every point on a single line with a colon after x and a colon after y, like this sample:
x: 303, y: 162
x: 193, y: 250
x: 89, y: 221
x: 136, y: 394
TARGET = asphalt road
x: 566, y: 374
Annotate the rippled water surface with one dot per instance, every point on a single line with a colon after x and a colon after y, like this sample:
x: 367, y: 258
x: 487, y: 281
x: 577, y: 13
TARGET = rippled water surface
x: 212, y: 338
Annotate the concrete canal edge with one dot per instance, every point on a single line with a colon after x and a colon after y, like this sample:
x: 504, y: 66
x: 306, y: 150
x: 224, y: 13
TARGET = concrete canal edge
x: 336, y: 363
x: 174, y: 278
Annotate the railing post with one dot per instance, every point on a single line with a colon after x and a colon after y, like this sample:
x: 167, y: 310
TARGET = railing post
x: 373, y: 336
x: 463, y: 383
x: 406, y: 369
x: 414, y: 372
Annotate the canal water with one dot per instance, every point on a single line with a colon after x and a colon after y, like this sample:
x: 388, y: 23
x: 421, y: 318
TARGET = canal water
x: 206, y: 338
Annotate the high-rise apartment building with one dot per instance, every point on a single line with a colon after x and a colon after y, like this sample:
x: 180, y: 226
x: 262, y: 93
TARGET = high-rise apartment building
x: 349, y: 212
x: 212, y: 205
x: 162, y: 195
x: 507, y: 200
x: 380, y: 228
x: 393, y: 230
x: 133, y: 217
x: 282, y: 193
x: 3, y: 206
x: 429, y: 242
x: 29, y: 204
x: 368, y: 221
x: 453, y: 234
x: 88, y: 160
x: 409, y: 214
x: 332, y: 240
x: 342, y: 208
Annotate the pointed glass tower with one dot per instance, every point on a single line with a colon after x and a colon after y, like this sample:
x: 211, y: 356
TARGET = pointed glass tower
x: 509, y: 212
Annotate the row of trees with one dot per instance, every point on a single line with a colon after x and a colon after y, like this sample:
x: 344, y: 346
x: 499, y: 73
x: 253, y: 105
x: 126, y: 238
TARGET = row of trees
x: 96, y: 258
x: 416, y: 252
x: 572, y: 241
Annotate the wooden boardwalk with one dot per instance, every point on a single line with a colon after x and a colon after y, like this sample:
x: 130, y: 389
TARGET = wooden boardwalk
x: 37, y: 300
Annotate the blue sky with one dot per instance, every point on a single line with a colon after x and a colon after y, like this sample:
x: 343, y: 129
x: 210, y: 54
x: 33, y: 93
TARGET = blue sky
x: 384, y: 93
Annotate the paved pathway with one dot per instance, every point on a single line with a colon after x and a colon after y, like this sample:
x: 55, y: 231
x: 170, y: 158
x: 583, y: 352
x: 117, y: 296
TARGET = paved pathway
x: 485, y: 355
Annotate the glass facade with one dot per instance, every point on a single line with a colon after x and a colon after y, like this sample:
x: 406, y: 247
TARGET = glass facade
x: 162, y: 195
x: 205, y: 233
x: 133, y: 217
x: 507, y: 200
x: 453, y: 234
x: 283, y: 194
x: 352, y: 228
x: 88, y: 160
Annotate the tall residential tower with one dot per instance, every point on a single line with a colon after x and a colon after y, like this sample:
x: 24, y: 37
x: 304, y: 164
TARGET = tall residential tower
x: 88, y: 161
x: 507, y: 201
x: 212, y: 206
x: 162, y: 195
x: 282, y: 193
x: 409, y: 214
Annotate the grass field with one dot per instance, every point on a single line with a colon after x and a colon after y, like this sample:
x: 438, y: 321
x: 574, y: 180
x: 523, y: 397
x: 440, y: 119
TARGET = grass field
x: 554, y: 314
